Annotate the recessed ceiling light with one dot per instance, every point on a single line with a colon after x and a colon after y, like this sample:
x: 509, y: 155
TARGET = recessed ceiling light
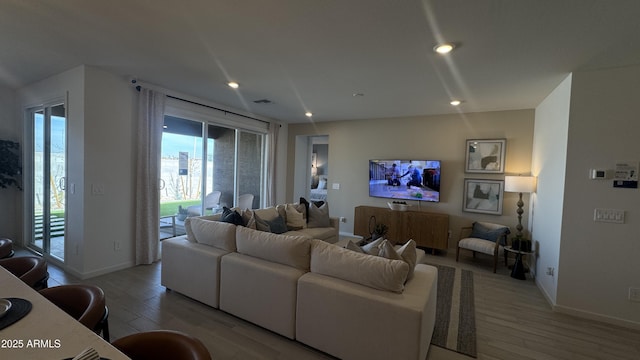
x: 308, y: 114
x: 455, y: 102
x: 233, y: 84
x: 443, y: 48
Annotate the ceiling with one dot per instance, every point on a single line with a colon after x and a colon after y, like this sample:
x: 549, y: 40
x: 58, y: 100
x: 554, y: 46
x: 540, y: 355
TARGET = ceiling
x: 314, y: 55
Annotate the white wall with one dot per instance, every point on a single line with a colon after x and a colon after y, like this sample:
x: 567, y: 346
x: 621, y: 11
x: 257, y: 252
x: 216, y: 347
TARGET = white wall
x: 353, y: 143
x: 599, y: 261
x: 109, y: 135
x: 548, y: 164
x: 10, y: 209
x: 99, y: 151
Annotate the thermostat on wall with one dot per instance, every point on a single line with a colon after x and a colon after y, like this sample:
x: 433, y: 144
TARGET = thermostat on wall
x: 598, y: 174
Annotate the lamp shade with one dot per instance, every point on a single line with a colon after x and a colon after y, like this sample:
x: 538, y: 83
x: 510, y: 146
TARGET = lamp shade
x: 520, y: 184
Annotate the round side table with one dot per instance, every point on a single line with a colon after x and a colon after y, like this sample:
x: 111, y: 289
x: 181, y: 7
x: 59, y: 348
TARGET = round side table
x: 518, y: 267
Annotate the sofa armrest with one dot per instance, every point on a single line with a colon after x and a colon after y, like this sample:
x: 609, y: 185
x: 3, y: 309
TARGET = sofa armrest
x: 334, y: 222
x: 365, y: 317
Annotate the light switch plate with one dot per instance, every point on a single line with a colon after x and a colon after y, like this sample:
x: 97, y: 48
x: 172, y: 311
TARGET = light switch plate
x: 335, y: 186
x: 609, y: 215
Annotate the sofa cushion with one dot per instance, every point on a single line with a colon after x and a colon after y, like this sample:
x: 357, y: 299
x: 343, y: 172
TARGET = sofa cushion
x: 187, y: 225
x: 313, y: 233
x: 372, y: 271
x: 318, y: 216
x: 283, y: 249
x: 214, y: 233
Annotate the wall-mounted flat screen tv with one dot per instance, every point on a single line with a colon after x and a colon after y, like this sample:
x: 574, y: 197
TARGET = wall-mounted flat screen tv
x: 405, y: 179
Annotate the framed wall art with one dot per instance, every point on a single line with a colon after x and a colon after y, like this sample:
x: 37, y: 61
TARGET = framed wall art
x: 483, y: 196
x: 485, y: 156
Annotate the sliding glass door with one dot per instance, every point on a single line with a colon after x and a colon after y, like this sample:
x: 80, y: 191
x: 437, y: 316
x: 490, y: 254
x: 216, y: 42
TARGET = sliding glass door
x: 233, y: 170
x: 49, y: 173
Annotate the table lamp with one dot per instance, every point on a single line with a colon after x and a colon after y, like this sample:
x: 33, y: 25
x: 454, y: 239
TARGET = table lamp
x: 520, y: 184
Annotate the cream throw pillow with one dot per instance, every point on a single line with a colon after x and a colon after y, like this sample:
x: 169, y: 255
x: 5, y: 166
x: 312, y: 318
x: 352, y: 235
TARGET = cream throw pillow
x: 373, y: 248
x: 352, y: 246
x: 372, y: 271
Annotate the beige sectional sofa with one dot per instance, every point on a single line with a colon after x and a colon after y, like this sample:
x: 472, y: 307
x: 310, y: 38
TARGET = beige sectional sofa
x: 348, y: 304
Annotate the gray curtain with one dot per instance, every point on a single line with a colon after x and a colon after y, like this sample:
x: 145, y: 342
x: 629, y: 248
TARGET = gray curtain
x: 150, y: 121
x: 272, y: 141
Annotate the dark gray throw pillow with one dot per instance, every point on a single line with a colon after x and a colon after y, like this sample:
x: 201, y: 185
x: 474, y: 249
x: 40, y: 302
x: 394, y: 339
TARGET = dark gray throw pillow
x: 277, y: 225
x: 231, y: 216
x: 480, y: 231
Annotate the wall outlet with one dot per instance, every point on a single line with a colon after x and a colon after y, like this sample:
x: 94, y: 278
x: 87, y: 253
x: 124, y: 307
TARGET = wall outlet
x: 343, y: 219
x: 550, y: 271
x: 97, y: 189
x: 116, y: 245
x: 634, y: 294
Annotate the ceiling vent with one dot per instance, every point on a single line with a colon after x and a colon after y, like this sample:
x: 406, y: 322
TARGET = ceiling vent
x: 262, y: 101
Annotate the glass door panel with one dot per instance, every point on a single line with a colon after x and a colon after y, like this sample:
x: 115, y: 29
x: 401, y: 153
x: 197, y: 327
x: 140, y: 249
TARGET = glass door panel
x: 180, y: 174
x: 49, y: 181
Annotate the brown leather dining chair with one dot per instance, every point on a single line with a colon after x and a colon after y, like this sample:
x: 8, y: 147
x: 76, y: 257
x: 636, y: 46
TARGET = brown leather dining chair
x: 162, y: 344
x: 32, y: 270
x: 83, y: 302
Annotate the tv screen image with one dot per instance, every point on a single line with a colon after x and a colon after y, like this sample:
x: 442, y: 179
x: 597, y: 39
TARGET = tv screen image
x: 405, y: 179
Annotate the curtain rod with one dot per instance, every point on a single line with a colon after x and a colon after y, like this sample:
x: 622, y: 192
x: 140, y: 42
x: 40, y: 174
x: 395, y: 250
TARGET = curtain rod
x: 138, y: 87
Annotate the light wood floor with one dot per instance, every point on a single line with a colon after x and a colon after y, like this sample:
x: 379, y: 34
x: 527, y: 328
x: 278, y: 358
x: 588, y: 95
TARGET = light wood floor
x: 512, y: 318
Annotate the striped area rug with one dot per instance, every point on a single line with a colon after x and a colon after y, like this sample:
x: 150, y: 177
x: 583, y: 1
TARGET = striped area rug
x: 455, y: 327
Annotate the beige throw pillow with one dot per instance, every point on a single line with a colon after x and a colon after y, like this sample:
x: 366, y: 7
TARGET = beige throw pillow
x: 406, y: 253
x: 318, y: 216
x: 295, y: 219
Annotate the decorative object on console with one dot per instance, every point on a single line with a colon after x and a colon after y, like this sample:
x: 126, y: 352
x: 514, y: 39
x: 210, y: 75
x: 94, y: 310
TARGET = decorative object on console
x: 520, y: 184
x: 398, y: 206
x: 485, y: 156
x: 483, y: 196
x: 376, y: 230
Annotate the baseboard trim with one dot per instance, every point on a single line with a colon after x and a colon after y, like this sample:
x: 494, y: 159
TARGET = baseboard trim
x: 90, y: 274
x: 587, y: 314
x: 597, y: 317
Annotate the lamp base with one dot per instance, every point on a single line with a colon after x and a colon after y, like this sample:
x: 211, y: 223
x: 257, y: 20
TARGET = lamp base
x: 523, y: 245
